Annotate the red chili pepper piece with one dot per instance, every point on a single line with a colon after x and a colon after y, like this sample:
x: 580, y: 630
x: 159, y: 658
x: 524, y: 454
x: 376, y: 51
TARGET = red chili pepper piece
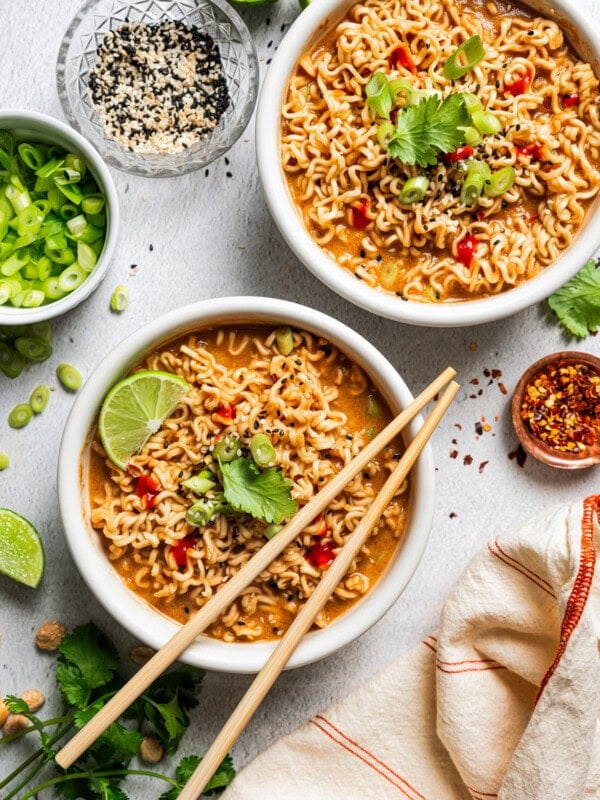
x: 225, y: 413
x: 147, y: 488
x: 360, y: 214
x: 520, y: 86
x: 465, y: 249
x: 570, y: 100
x: 321, y: 554
x: 535, y: 151
x: 179, y: 550
x: 401, y: 56
x: 459, y: 154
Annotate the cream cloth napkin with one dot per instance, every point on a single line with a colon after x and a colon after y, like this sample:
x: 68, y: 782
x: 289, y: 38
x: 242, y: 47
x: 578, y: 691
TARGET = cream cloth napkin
x: 501, y: 703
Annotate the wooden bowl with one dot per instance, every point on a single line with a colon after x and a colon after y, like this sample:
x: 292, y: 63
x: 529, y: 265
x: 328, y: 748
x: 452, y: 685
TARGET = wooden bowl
x: 536, y: 447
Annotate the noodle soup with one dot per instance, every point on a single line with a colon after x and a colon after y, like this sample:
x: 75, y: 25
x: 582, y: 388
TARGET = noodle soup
x: 318, y: 409
x: 438, y: 248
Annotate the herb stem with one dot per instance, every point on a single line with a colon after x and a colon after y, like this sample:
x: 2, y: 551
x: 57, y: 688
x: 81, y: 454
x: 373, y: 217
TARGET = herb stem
x: 66, y: 722
x: 111, y: 773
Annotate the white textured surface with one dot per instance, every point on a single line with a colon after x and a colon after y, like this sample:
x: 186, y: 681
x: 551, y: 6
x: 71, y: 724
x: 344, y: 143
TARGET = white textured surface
x: 212, y: 236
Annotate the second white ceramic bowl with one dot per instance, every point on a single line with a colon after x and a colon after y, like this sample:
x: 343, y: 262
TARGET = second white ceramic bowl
x: 310, y: 26
x: 126, y: 607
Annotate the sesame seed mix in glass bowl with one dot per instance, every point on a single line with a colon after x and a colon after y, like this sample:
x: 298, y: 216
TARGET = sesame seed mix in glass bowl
x: 159, y: 87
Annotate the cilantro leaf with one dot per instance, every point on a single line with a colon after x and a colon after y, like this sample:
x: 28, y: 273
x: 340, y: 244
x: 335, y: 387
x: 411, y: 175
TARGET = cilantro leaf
x: 424, y: 130
x: 265, y: 495
x: 577, y: 303
x: 222, y: 777
x: 89, y: 660
x: 117, y: 745
x: 106, y: 789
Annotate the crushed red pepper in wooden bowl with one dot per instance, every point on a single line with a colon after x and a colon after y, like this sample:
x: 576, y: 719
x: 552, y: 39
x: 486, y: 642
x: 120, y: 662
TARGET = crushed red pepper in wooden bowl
x: 556, y: 410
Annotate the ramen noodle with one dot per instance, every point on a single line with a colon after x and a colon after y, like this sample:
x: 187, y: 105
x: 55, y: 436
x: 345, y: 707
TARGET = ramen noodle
x: 318, y: 409
x: 346, y: 187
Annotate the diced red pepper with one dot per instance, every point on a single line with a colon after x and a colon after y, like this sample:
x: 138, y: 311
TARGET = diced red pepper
x: 520, y: 86
x: 532, y: 218
x: 465, y: 249
x: 535, y: 151
x: 224, y: 414
x: 321, y: 554
x: 401, y: 56
x: 179, y: 550
x: 359, y: 213
x: 459, y: 154
x: 134, y: 470
x: 570, y: 100
x: 147, y: 488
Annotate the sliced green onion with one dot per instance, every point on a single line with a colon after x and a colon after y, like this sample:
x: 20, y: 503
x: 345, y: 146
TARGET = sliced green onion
x: 201, y: 483
x: 271, y: 530
x: 262, y: 450
x: 373, y: 406
x: 40, y: 330
x: 402, y: 86
x: 33, y: 349
x: 43, y: 205
x: 75, y: 224
x: 385, y: 131
x: 472, y: 102
x: 473, y: 137
x: 5, y: 292
x: 31, y: 156
x: 500, y: 181
x: 379, y: 96
x: 29, y: 220
x: 477, y: 174
x: 388, y: 274
x: 4, y: 461
x: 120, y: 297
x: 69, y: 211
x: 20, y: 415
x: 465, y: 57
x: 56, y: 198
x: 64, y: 255
x: 49, y: 168
x: 33, y: 298
x: 71, y: 278
x: 486, y: 122
x: 92, y: 204
x: 69, y: 377
x: 44, y: 268
x: 14, y: 263
x: 206, y: 509
x: 12, y: 362
x: 39, y: 398
x: 51, y: 288
x: 71, y: 191
x: 75, y: 163
x: 227, y: 449
x: 414, y: 190
x: 285, y: 340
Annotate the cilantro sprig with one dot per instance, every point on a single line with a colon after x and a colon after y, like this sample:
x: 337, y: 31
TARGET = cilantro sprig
x: 262, y: 494
x: 577, y: 303
x: 88, y: 674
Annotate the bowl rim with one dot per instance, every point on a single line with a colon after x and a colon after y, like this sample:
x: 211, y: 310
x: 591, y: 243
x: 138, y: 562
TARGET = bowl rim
x: 20, y: 119
x: 147, y: 624
x: 141, y: 168
x: 534, y: 446
x: 311, y: 23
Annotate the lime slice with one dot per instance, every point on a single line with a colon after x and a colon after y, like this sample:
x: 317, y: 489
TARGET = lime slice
x: 21, y: 549
x: 136, y: 408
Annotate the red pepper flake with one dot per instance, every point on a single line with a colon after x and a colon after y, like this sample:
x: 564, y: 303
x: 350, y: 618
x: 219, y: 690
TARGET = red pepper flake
x: 147, y: 488
x: 453, y: 453
x: 465, y: 249
x: 570, y: 100
x: 321, y: 554
x: 520, y: 86
x: 520, y: 454
x: 474, y: 381
x: 359, y: 214
x: 482, y: 466
x: 401, y: 56
x: 478, y: 428
x: 467, y: 460
x: 533, y: 218
x: 466, y: 151
x: 224, y: 414
x: 458, y: 426
x: 561, y: 406
x: 534, y: 151
x: 179, y: 550
x: 502, y: 388
x: 453, y: 515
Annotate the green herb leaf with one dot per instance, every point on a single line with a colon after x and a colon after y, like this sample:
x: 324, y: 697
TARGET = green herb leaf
x: 117, y: 745
x: 89, y: 661
x: 222, y: 777
x: 424, y: 130
x: 577, y: 303
x: 265, y: 495
x: 106, y: 789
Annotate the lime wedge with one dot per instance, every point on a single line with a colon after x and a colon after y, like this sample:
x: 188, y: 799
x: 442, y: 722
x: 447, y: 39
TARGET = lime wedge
x: 136, y: 408
x: 21, y: 549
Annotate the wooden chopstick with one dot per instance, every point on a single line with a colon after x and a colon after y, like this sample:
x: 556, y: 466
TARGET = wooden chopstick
x: 305, y: 618
x: 229, y: 591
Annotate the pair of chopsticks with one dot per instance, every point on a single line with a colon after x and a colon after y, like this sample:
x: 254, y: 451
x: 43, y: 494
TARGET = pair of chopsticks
x: 259, y: 562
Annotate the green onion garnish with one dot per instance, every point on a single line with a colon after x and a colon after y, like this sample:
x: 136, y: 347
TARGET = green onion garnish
x: 69, y: 377
x: 468, y: 55
x: 285, y: 340
x: 119, y: 299
x: 4, y: 461
x: 39, y: 398
x: 500, y: 181
x: 271, y: 530
x: 20, y: 415
x: 227, y: 449
x: 477, y: 174
x: 486, y: 122
x: 262, y: 450
x: 201, y: 483
x: 414, y: 190
x: 379, y: 96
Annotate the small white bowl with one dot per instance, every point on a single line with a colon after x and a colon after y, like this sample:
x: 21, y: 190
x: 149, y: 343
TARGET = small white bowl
x: 310, y: 26
x: 140, y: 618
x: 42, y: 128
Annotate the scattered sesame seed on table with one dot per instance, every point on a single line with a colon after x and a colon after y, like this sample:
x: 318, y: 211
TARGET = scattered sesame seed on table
x: 158, y: 87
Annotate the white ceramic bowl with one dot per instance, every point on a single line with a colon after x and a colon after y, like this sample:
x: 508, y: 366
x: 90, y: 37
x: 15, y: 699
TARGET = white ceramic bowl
x: 42, y: 128
x: 126, y: 607
x: 311, y: 25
